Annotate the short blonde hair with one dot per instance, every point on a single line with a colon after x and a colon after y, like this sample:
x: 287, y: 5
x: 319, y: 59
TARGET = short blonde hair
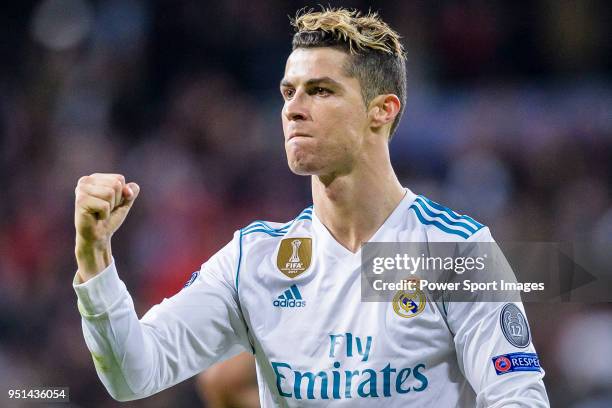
x: 376, y: 55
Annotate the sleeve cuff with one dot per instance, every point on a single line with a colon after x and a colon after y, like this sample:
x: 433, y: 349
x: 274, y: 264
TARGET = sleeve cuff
x: 99, y: 293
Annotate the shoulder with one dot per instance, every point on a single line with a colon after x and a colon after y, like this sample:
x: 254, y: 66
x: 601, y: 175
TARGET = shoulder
x: 440, y: 223
x: 269, y: 231
x: 258, y: 237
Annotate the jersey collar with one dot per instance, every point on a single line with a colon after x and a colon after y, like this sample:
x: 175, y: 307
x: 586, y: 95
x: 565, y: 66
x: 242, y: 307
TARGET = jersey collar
x: 328, y: 244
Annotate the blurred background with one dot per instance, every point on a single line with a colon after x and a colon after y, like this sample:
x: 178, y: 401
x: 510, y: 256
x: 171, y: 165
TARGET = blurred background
x: 508, y: 119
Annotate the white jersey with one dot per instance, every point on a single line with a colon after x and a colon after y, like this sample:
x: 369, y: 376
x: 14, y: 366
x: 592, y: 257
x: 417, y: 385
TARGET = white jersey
x: 290, y: 294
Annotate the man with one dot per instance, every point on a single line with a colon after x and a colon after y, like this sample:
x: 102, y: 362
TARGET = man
x: 290, y: 292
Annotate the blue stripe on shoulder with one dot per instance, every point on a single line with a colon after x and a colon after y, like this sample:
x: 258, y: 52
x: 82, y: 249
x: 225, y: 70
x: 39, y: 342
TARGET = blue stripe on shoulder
x: 437, y: 223
x: 263, y: 226
x: 473, y: 221
x: 267, y: 231
x: 451, y: 213
x: 421, y: 203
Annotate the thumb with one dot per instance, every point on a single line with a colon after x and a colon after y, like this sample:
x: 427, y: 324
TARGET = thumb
x: 130, y: 193
x: 135, y: 190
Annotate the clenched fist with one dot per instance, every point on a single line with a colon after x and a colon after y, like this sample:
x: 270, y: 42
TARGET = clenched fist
x: 102, y: 202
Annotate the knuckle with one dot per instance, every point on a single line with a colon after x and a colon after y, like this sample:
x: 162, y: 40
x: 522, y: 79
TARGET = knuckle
x: 109, y: 193
x: 83, y: 179
x: 80, y: 200
x: 94, y: 178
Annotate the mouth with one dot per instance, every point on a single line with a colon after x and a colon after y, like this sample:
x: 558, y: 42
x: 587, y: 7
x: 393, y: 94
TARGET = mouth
x: 293, y: 135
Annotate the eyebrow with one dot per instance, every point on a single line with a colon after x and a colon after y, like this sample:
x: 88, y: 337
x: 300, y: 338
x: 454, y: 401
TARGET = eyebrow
x: 314, y: 81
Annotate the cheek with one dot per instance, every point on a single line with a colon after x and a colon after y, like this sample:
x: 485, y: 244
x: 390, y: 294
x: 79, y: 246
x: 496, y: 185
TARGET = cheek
x: 283, y: 119
x: 346, y: 124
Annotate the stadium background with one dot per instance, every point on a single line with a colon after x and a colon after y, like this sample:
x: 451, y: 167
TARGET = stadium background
x: 509, y: 119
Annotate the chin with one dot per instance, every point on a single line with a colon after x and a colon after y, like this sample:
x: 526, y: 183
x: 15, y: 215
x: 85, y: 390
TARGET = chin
x: 303, y: 167
x: 300, y: 169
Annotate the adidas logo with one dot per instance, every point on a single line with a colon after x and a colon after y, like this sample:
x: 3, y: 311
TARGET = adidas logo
x: 290, y: 298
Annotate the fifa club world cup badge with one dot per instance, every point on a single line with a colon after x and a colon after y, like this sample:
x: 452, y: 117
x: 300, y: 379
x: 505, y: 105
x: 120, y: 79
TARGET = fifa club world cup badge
x: 294, y: 256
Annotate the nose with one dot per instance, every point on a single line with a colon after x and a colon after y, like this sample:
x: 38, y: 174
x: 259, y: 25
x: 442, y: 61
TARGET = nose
x: 295, y: 109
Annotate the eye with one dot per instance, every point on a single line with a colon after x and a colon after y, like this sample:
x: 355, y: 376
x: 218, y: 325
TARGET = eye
x: 288, y: 93
x: 319, y: 90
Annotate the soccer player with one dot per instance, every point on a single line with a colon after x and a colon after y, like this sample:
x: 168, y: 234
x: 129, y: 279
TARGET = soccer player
x: 290, y: 292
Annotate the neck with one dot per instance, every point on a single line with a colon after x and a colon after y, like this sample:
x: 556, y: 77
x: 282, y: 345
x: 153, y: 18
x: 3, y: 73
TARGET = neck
x: 353, y: 206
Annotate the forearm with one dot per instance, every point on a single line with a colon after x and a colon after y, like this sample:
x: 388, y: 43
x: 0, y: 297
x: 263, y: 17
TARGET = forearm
x: 137, y: 358
x: 480, y: 344
x: 100, y: 342
x: 115, y: 337
x: 528, y: 392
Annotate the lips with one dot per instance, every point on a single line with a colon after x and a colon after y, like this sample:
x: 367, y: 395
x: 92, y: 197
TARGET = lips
x: 297, y: 134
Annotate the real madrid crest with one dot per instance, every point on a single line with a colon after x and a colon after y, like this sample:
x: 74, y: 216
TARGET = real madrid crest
x: 294, y: 256
x: 409, y: 303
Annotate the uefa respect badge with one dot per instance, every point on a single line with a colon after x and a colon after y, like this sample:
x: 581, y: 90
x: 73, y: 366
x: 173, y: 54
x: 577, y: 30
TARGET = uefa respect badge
x: 507, y: 363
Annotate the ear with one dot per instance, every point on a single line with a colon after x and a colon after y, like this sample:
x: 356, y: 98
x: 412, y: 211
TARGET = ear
x: 383, y: 109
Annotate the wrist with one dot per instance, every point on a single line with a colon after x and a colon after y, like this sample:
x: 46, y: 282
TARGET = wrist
x: 92, y: 258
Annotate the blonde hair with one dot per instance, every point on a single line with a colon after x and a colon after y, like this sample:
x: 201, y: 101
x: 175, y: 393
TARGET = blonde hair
x: 376, y: 55
x: 360, y: 32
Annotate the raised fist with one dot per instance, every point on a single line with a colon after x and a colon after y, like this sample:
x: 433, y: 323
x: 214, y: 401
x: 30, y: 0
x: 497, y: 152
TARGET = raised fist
x: 102, y: 201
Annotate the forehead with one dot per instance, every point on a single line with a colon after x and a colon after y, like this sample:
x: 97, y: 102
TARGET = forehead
x: 305, y: 63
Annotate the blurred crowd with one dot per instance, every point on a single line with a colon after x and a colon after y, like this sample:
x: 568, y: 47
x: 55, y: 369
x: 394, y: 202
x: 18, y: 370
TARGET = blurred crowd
x: 508, y: 119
